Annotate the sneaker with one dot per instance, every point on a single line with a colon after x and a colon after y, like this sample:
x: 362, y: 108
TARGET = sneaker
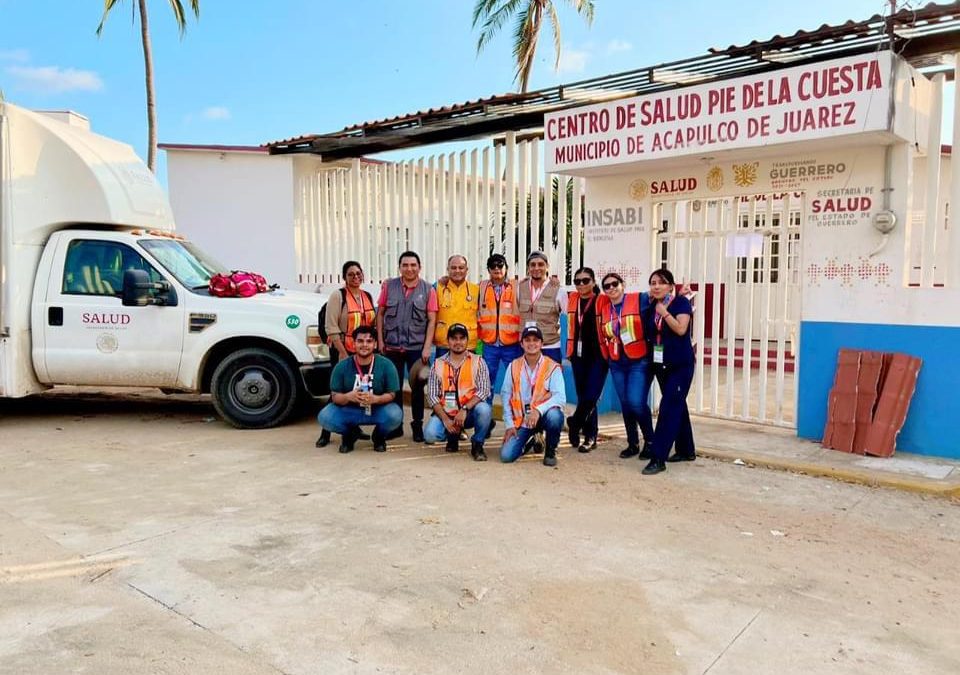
x: 379, y: 442
x: 550, y: 457
x: 477, y: 452
x: 629, y: 451
x: 535, y: 445
x: 573, y: 432
x: 588, y: 445
x: 646, y: 453
x: 681, y: 458
x: 324, y: 439
x: 453, y: 444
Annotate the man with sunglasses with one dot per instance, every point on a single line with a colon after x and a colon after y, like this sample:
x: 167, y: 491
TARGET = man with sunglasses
x: 498, y: 319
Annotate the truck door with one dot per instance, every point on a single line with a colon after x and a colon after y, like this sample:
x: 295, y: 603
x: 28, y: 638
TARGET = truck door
x: 90, y: 337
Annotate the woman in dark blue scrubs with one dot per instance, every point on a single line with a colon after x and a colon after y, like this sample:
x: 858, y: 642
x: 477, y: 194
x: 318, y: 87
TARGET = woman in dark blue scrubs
x: 672, y: 362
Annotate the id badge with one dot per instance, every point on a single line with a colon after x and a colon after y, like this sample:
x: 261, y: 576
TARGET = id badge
x: 579, y: 348
x: 658, y: 353
x: 450, y: 402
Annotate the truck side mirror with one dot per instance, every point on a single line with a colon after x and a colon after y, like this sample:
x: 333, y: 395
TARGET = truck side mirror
x: 139, y: 291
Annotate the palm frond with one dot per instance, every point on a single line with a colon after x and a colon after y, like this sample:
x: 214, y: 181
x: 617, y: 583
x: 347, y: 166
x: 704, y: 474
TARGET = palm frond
x: 108, y: 5
x: 176, y: 6
x: 495, y: 20
x: 584, y: 8
x: 525, y: 34
x: 482, y: 8
x: 555, y: 26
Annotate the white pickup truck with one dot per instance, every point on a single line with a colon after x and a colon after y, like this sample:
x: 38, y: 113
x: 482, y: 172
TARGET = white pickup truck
x: 97, y: 289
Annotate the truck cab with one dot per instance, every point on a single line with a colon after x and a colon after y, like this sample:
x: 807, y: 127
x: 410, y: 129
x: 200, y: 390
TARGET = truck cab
x: 99, y: 290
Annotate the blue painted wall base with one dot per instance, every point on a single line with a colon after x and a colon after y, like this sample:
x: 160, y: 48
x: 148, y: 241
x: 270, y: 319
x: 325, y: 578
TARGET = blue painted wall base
x: 933, y: 421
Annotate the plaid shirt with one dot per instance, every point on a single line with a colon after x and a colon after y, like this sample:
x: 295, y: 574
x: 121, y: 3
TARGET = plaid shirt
x: 481, y: 379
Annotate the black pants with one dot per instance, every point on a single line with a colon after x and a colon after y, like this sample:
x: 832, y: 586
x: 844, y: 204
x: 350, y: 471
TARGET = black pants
x: 673, y: 422
x: 404, y: 360
x: 588, y: 378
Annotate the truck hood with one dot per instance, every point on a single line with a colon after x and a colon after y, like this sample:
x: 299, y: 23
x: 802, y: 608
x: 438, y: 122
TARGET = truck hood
x: 280, y: 302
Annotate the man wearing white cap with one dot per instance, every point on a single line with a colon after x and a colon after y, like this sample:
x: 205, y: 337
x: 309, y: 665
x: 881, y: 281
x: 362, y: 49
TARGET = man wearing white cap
x: 533, y: 396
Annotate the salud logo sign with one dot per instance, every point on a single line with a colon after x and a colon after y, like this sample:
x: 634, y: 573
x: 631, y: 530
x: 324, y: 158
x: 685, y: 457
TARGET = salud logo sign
x: 293, y: 321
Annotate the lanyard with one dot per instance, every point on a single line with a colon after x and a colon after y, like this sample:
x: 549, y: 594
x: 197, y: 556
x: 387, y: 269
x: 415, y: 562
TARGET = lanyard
x: 583, y: 314
x: 454, y: 383
x: 658, y: 319
x: 535, y: 294
x: 356, y: 364
x: 532, y: 378
x: 617, y: 311
x: 498, y: 291
x: 363, y: 307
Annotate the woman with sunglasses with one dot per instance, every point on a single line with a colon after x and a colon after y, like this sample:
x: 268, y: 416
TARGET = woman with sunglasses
x: 583, y: 351
x: 622, y: 344
x: 672, y: 364
x: 348, y: 308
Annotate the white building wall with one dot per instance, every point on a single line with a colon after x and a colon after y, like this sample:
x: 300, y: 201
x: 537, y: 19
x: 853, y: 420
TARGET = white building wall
x: 237, y: 205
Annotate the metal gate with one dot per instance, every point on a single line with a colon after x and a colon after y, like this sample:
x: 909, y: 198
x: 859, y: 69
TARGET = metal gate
x: 739, y: 257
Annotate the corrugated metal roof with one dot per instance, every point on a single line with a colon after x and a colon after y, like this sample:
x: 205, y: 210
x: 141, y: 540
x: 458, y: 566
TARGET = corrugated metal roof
x: 919, y: 35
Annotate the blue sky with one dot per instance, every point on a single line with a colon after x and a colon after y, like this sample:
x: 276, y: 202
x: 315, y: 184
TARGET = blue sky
x: 250, y: 72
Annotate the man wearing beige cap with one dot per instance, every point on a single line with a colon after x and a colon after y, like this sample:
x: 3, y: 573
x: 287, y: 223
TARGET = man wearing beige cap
x: 540, y: 303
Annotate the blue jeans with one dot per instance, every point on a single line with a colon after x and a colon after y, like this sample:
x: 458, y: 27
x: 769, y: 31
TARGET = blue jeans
x: 495, y: 356
x: 551, y: 423
x: 588, y: 378
x: 673, y: 422
x: 632, y: 379
x: 343, y: 418
x: 479, y: 419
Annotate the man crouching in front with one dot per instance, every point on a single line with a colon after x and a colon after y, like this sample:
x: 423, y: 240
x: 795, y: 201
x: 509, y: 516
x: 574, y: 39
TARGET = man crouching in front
x: 363, y: 390
x: 533, y: 396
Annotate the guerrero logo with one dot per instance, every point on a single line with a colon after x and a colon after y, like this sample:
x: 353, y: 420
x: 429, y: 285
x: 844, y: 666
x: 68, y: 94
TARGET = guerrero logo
x: 639, y: 189
x: 745, y: 175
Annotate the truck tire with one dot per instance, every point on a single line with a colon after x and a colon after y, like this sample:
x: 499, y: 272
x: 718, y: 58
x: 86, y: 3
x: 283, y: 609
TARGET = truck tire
x: 254, y: 389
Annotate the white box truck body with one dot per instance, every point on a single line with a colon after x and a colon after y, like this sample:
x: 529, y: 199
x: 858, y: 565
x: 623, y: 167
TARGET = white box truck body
x: 97, y: 289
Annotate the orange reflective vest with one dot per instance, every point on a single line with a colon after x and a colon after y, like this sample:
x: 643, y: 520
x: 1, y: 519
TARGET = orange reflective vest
x: 621, y: 333
x: 358, y: 314
x: 573, y: 326
x: 498, y: 318
x: 540, y: 392
x: 462, y: 384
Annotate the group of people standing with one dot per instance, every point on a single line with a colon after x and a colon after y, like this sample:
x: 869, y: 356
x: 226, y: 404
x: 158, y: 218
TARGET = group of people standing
x: 515, y: 327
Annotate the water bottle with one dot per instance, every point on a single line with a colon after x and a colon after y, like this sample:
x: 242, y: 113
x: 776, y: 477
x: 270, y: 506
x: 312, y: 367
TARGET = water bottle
x: 365, y: 388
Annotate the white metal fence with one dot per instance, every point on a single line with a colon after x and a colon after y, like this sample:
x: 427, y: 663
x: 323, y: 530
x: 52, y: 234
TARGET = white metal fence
x: 741, y: 258
x: 493, y: 199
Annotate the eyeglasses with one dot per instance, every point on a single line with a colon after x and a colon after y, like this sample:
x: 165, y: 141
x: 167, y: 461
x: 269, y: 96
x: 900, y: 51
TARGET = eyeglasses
x: 611, y: 285
x: 355, y: 274
x: 582, y: 281
x: 496, y: 266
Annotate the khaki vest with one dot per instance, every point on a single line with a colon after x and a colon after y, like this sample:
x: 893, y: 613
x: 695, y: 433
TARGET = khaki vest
x: 544, y: 311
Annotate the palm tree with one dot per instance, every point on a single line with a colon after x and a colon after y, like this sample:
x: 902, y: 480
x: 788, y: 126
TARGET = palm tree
x: 181, y: 17
x: 492, y: 14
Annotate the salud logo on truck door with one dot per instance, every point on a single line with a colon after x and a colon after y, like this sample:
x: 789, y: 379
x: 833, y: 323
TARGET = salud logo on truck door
x: 293, y: 321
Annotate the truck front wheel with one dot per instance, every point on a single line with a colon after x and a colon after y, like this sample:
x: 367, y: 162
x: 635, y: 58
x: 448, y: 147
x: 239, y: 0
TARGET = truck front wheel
x: 254, y: 389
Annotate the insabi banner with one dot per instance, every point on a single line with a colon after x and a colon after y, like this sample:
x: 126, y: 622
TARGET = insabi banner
x: 821, y: 100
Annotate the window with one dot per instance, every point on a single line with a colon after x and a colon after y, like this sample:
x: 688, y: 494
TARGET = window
x: 97, y: 267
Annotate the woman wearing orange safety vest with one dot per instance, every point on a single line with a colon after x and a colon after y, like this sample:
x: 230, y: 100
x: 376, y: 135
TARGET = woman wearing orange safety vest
x: 498, y: 319
x: 348, y: 308
x: 589, y: 365
x: 620, y: 325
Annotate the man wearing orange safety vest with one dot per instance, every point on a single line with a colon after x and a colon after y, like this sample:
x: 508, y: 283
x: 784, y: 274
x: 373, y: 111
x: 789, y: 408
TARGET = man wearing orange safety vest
x: 533, y: 396
x: 498, y: 318
x: 457, y: 392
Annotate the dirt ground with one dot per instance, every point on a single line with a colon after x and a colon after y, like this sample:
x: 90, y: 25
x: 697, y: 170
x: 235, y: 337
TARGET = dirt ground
x: 139, y: 534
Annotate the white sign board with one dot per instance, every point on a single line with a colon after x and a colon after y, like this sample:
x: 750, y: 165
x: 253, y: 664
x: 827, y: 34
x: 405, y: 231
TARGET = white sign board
x: 814, y: 101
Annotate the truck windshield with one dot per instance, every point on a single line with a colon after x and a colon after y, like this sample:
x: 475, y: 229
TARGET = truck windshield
x: 191, y: 266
